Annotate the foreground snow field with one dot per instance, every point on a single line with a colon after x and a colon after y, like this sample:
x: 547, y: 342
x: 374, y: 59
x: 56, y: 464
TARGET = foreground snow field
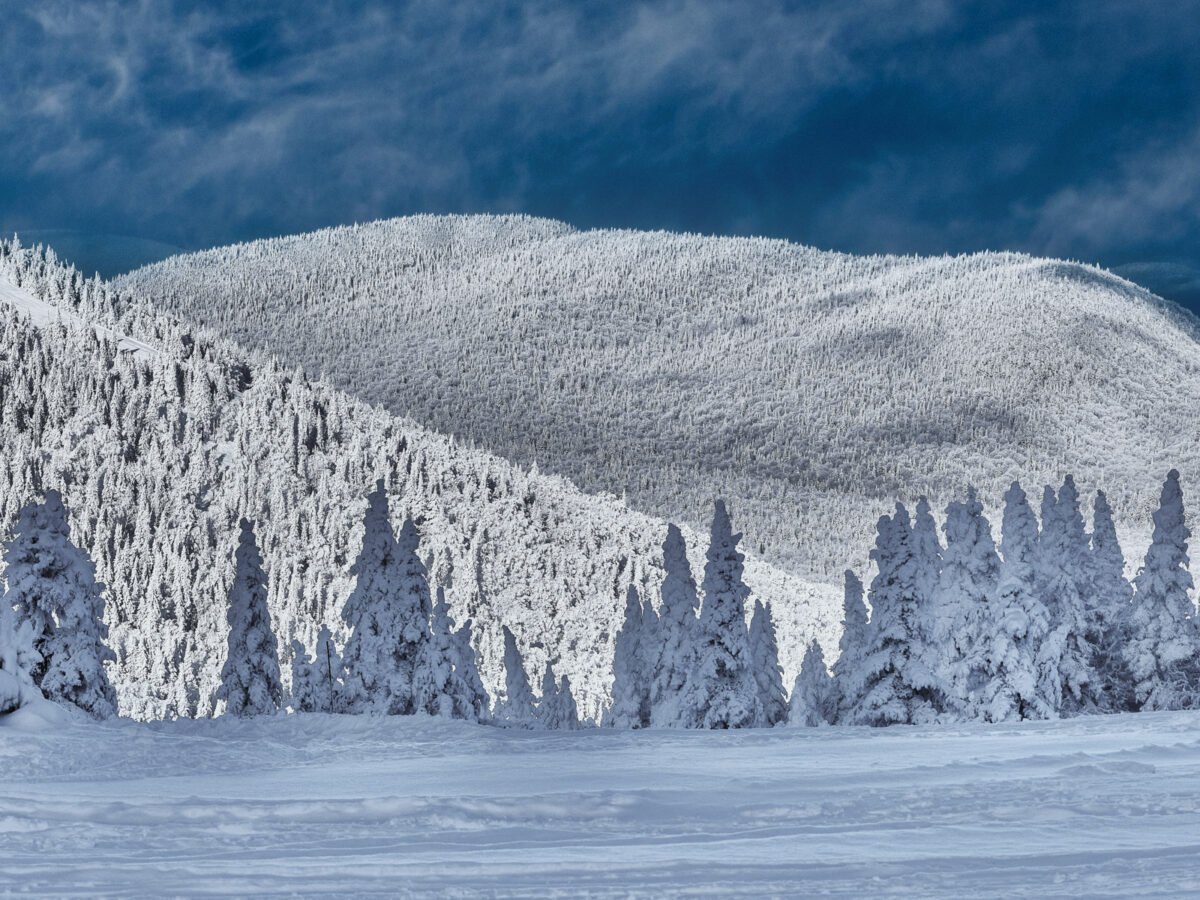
x: 337, y: 806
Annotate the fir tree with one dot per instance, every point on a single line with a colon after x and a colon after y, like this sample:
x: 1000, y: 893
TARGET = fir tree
x: 1112, y: 609
x: 480, y: 702
x: 848, y: 668
x: 721, y: 691
x: 250, y: 683
x: 966, y: 587
x: 1019, y: 685
x: 52, y: 586
x: 17, y: 661
x: 1065, y: 581
x: 1162, y: 653
x: 927, y: 554
x: 813, y: 701
x: 303, y: 676
x: 518, y: 708
x: 388, y: 614
x: 314, y: 680
x: 556, y: 708
x: 447, y: 690
x: 676, y: 630
x: 768, y: 674
x: 631, y: 683
x: 899, y: 684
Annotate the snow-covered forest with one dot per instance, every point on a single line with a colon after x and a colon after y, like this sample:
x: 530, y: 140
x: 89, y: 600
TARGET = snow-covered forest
x: 810, y: 389
x: 161, y: 438
x: 1041, y: 624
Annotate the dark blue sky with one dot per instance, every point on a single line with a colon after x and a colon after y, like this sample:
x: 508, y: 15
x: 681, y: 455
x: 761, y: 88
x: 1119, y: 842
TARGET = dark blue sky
x: 1070, y: 129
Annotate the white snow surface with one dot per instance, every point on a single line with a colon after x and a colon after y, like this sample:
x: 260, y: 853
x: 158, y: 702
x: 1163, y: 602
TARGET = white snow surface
x: 43, y: 313
x: 316, y: 805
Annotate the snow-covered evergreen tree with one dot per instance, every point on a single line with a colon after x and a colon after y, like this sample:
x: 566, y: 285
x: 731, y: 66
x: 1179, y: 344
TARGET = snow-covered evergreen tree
x: 899, y: 684
x: 448, y: 691
x: 630, y: 706
x: 853, y: 645
x: 250, y: 682
x: 813, y: 701
x: 1022, y: 684
x: 17, y: 661
x: 676, y: 632
x: 556, y: 708
x: 927, y: 554
x: 52, y: 585
x: 1065, y: 582
x: 315, y: 678
x: 1111, y: 608
x: 1163, y: 649
x: 388, y: 613
x: 518, y: 709
x: 768, y: 674
x: 966, y: 587
x: 303, y: 678
x: 721, y: 691
x: 480, y: 702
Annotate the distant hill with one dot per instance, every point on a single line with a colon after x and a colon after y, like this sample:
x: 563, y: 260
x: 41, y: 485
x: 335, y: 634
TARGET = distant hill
x: 161, y: 436
x: 811, y: 388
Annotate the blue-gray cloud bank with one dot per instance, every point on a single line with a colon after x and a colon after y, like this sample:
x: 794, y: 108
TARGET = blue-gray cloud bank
x: 1070, y: 129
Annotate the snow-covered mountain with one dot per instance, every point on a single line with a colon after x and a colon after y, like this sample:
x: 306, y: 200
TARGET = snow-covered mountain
x: 161, y: 436
x: 810, y: 388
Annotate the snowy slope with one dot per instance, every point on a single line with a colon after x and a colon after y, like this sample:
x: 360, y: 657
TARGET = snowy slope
x: 810, y: 388
x: 407, y: 807
x: 159, y: 454
x: 41, y: 312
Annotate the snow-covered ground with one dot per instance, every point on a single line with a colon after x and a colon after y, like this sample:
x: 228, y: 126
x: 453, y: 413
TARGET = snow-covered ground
x: 342, y: 807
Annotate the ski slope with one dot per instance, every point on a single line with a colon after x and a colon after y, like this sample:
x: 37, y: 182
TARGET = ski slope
x: 351, y: 807
x: 42, y: 313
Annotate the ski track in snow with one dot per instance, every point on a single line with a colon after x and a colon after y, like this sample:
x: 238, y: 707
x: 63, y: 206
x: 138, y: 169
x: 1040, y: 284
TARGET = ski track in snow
x: 357, y: 806
x: 42, y: 313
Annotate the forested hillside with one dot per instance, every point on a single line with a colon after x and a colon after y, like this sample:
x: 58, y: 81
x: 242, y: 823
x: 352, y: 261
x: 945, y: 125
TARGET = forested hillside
x: 809, y: 388
x: 161, y: 437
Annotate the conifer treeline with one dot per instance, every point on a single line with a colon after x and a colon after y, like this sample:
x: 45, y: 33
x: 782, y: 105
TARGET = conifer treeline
x: 1044, y: 625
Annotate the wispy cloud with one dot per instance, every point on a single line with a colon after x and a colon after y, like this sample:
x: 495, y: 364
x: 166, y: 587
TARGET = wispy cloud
x: 884, y: 125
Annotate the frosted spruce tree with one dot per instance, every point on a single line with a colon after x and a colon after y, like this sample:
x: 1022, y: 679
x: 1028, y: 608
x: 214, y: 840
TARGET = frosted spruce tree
x: 1021, y: 683
x: 970, y: 571
x: 314, y: 679
x: 1064, y: 583
x: 388, y: 613
x: 768, y: 674
x: 848, y: 668
x: 813, y: 701
x: 676, y: 632
x: 556, y: 708
x: 481, y: 702
x: 630, y: 706
x: 250, y: 682
x: 721, y: 691
x: 1112, y: 609
x: 518, y: 709
x: 927, y: 553
x: 52, y: 585
x: 444, y: 685
x: 1162, y: 652
x: 899, y: 682
x: 17, y: 661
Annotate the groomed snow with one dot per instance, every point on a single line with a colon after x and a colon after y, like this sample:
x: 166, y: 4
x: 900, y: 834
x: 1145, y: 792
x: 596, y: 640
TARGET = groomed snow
x: 342, y: 807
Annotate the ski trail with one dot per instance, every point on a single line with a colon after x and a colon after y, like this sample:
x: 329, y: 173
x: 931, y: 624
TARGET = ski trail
x: 42, y: 313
